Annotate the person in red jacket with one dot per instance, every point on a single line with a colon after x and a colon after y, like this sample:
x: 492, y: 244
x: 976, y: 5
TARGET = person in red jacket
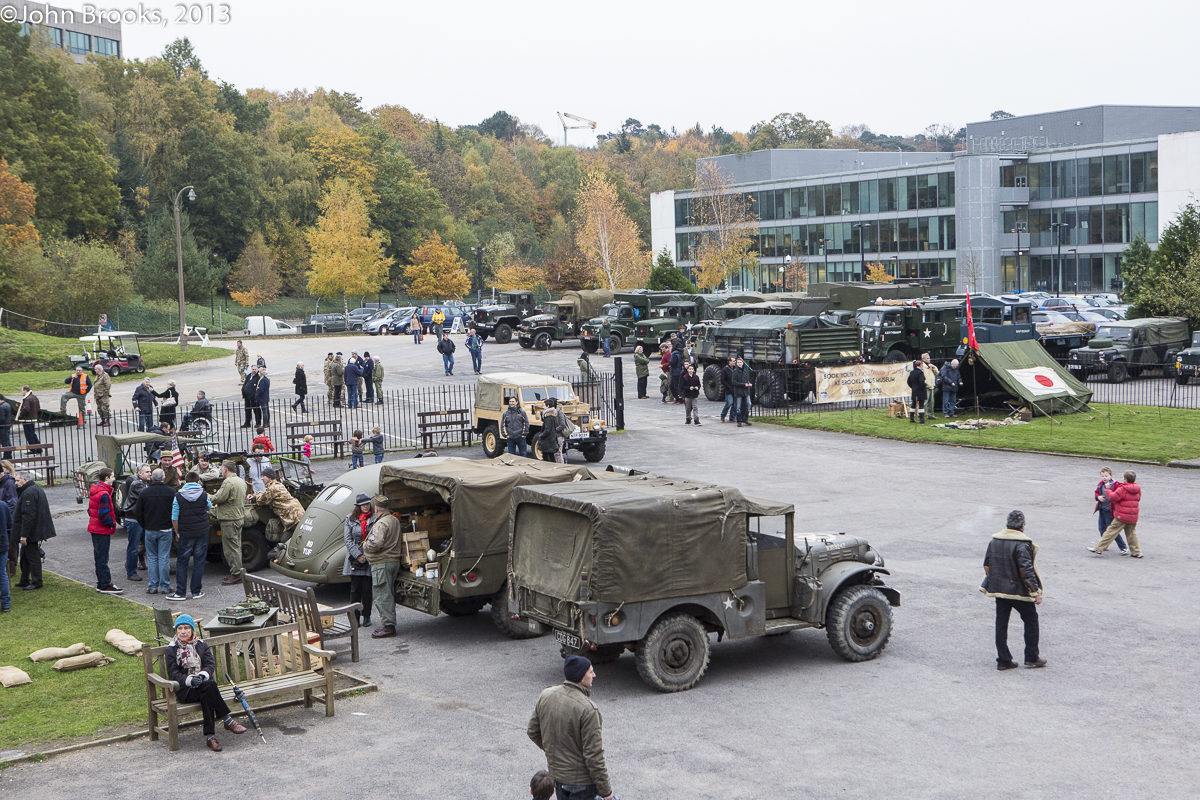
x: 102, y: 523
x: 262, y: 439
x: 1124, y: 499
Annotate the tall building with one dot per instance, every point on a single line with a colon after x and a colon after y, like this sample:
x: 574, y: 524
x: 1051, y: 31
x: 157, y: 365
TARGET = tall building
x: 80, y: 33
x: 995, y: 215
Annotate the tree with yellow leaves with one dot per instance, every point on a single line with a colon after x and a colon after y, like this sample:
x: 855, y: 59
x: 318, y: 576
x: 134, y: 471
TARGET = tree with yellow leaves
x: 517, y: 275
x: 878, y: 273
x: 17, y: 204
x: 342, y: 153
x: 607, y: 236
x: 731, y: 229
x: 346, y: 255
x: 255, y: 281
x: 437, y: 271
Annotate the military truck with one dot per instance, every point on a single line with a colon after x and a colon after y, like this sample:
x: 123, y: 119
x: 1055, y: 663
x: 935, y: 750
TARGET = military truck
x: 1187, y: 362
x: 1127, y: 348
x: 665, y: 319
x: 622, y: 315
x: 501, y: 319
x: 491, y: 399
x: 784, y: 351
x: 561, y: 319
x: 655, y: 565
x: 903, y: 330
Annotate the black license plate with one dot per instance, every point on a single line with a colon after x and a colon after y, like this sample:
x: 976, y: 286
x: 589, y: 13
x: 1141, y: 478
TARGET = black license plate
x: 568, y: 639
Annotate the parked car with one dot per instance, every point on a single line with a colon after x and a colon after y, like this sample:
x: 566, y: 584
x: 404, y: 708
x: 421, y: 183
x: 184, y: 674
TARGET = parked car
x: 267, y: 326
x: 358, y: 317
x: 382, y: 322
x: 334, y: 323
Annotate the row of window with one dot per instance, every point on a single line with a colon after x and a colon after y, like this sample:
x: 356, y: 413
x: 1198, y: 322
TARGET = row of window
x: 764, y: 277
x: 1109, y: 224
x: 1085, y: 177
x: 908, y: 193
x: 908, y: 235
x: 78, y: 43
x: 1083, y: 273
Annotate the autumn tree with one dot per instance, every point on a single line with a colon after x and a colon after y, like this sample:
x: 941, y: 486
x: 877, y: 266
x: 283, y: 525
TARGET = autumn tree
x: 878, y: 273
x: 346, y: 256
x: 343, y: 153
x: 731, y: 228
x: 91, y: 278
x: 255, y: 280
x: 567, y: 269
x: 607, y: 236
x: 17, y: 204
x: 437, y: 271
x: 517, y: 275
x: 795, y: 275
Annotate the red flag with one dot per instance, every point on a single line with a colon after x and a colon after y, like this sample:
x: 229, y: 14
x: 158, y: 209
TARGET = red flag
x: 971, y: 343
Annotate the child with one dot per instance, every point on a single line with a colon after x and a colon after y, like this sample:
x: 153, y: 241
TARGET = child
x: 541, y: 786
x: 357, y: 445
x: 664, y: 385
x: 306, y: 454
x: 1104, y: 507
x: 262, y: 439
x: 376, y: 442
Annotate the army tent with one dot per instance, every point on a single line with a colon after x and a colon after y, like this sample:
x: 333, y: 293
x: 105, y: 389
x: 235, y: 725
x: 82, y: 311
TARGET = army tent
x: 1027, y: 371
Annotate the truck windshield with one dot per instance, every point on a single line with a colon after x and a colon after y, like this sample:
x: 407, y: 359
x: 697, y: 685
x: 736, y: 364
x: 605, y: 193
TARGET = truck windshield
x: 870, y: 319
x: 1104, y: 332
x: 537, y: 394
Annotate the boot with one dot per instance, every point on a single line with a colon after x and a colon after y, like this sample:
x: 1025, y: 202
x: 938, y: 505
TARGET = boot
x: 912, y: 416
x: 387, y: 631
x: 922, y: 415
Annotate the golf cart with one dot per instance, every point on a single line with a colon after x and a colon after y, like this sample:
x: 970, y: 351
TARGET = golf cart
x: 114, y: 351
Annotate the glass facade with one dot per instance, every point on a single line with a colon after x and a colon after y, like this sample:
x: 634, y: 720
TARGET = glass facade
x: 78, y: 43
x: 54, y: 34
x: 108, y: 47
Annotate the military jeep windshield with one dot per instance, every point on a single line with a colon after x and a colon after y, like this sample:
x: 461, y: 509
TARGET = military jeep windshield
x: 539, y: 394
x: 1113, y: 333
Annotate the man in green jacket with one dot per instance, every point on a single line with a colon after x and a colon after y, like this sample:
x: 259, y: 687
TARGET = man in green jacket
x: 566, y: 725
x: 641, y: 365
x: 384, y: 549
x: 377, y: 379
x: 229, y: 509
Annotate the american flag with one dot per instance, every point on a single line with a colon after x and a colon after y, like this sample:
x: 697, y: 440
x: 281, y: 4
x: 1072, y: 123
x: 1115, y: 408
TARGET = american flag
x: 176, y: 453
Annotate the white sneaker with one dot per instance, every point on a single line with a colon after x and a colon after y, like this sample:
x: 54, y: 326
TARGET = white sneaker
x: 1124, y: 552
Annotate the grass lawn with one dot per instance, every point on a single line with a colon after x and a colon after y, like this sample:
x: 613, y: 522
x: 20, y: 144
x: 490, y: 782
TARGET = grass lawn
x: 42, y: 361
x: 1133, y: 432
x: 70, y: 705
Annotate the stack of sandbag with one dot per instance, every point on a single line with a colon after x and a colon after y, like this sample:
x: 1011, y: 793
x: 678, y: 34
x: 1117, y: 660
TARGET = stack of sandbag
x: 52, y: 653
x: 121, y: 640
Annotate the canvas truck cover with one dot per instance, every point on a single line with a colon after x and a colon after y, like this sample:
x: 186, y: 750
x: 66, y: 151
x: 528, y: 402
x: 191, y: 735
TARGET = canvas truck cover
x: 766, y: 325
x: 477, y: 493
x: 489, y: 389
x: 590, y: 301
x: 1159, y: 330
x: 642, y: 538
x: 1027, y: 371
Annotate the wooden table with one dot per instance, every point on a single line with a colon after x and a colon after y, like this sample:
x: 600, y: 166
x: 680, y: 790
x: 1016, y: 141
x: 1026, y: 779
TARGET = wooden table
x: 216, y: 628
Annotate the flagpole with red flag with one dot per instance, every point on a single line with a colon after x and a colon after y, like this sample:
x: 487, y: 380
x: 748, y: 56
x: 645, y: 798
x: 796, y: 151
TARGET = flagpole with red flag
x: 972, y: 351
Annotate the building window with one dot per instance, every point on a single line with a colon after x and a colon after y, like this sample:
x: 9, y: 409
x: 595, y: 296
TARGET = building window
x: 79, y: 43
x: 1143, y: 221
x: 53, y: 35
x: 927, y: 187
x: 833, y: 198
x: 887, y: 194
x: 1140, y: 177
x: 1039, y: 181
x: 868, y: 197
x: 1116, y: 224
x: 1096, y: 225
x: 1116, y: 174
x: 1091, y: 176
x: 850, y: 198
x: 886, y: 233
x: 948, y: 238
x: 108, y: 47
x: 909, y: 236
x: 1063, y: 173
x: 946, y: 190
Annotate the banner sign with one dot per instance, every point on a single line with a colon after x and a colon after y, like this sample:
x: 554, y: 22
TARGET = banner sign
x: 862, y: 382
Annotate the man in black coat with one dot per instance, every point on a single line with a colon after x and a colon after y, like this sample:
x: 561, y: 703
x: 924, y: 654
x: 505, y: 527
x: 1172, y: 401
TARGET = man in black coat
x: 262, y: 397
x: 248, y: 391
x: 6, y: 421
x: 144, y: 402
x: 1011, y: 577
x: 446, y: 348
x: 301, y: 382
x: 368, y: 371
x: 32, y: 526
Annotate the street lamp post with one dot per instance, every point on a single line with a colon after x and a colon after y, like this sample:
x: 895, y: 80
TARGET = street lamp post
x: 787, y: 262
x: 1075, y: 261
x: 1058, y: 226
x: 895, y: 266
x: 862, y: 250
x: 1017, y: 275
x: 825, y: 247
x: 479, y: 251
x: 179, y: 262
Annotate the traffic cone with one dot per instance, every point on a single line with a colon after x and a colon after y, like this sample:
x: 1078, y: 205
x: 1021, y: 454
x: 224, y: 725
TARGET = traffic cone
x: 89, y: 406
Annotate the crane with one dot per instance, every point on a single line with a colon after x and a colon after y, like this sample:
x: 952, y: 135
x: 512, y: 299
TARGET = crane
x: 564, y: 116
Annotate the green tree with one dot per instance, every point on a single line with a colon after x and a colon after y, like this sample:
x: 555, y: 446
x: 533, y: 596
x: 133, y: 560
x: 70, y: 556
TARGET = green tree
x: 157, y: 275
x: 1136, y: 263
x: 1180, y: 240
x: 92, y: 279
x: 665, y: 275
x: 1168, y: 282
x: 182, y: 58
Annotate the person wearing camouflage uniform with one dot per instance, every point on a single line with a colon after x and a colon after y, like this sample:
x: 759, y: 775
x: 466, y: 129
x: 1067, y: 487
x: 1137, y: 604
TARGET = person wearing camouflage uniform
x: 241, y: 360
x: 229, y: 508
x: 287, y: 509
x: 337, y: 374
x: 329, y: 378
x: 377, y: 379
x: 102, y: 387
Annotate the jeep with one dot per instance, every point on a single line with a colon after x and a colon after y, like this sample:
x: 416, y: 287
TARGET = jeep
x: 619, y: 318
x: 1187, y: 362
x: 1125, y: 348
x: 491, y: 400
x: 560, y: 320
x: 665, y: 319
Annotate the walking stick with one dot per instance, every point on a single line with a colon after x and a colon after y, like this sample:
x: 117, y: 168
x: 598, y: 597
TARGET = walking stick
x: 240, y: 696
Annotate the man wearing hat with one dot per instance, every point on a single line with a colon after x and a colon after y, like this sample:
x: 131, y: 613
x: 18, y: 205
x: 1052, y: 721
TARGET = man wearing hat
x: 190, y: 663
x: 337, y: 372
x: 566, y: 725
x: 384, y: 550
x: 229, y: 508
x: 329, y: 378
x: 355, y: 528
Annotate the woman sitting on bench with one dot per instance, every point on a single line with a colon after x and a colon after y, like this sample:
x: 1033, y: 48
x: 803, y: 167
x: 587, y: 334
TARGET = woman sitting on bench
x: 191, y: 664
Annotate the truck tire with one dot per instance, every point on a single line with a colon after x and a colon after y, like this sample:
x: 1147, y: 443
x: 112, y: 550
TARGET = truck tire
x: 895, y: 357
x: 858, y: 623
x: 673, y: 656
x: 512, y: 628
x: 482, y: 336
x: 590, y: 346
x: 595, y: 452
x: 770, y: 387
x: 713, y: 391
x: 503, y: 333
x: 536, y: 451
x: 1168, y: 367
x: 465, y: 607
x: 1116, y: 372
x: 542, y: 341
x: 615, y: 344
x: 492, y: 443
x: 254, y: 549
x: 525, y: 342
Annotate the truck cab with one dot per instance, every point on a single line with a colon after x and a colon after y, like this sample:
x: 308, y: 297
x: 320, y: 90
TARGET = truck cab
x: 499, y: 320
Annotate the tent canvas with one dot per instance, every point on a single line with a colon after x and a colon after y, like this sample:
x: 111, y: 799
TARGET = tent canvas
x: 1027, y: 371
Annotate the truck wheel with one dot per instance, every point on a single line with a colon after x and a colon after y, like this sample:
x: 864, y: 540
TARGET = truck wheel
x: 615, y: 344
x: 770, y: 388
x: 254, y: 549
x: 512, y: 628
x: 674, y: 654
x: 1116, y: 372
x: 466, y: 607
x: 589, y: 346
x: 525, y: 342
x: 858, y: 623
x: 537, y: 452
x: 482, y: 336
x: 1168, y: 367
x: 503, y: 333
x: 542, y: 341
x: 595, y: 452
x: 492, y: 443
x: 895, y: 357
x: 711, y: 381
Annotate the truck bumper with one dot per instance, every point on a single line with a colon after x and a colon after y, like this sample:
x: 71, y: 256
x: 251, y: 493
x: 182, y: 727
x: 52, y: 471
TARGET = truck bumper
x: 584, y: 442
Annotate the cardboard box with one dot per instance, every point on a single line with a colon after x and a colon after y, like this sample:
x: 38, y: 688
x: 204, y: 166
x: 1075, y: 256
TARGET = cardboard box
x: 290, y: 649
x: 326, y: 619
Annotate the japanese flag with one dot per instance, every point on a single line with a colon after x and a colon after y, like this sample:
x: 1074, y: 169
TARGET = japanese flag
x: 1041, y: 381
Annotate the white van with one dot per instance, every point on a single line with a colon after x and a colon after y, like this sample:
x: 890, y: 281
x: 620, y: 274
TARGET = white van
x: 267, y: 326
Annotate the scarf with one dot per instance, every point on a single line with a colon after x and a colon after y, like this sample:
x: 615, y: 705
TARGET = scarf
x: 186, y: 655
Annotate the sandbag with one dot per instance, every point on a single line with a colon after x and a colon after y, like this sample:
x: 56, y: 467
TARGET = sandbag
x: 121, y: 640
x: 52, y: 653
x: 11, y: 676
x: 82, y: 662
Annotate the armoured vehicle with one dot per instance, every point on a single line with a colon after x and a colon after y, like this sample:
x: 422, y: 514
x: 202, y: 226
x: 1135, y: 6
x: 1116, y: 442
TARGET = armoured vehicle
x: 665, y: 319
x: 1126, y: 348
x: 902, y: 330
x: 501, y: 319
x: 655, y: 565
x: 560, y: 320
x: 622, y: 315
x: 491, y: 399
x: 1187, y: 362
x: 783, y: 350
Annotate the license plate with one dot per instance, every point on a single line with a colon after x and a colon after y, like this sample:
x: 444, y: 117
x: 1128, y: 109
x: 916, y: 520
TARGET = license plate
x: 568, y: 639
x: 579, y: 435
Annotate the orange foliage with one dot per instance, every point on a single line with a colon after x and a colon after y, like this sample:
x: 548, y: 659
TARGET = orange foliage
x: 17, y: 204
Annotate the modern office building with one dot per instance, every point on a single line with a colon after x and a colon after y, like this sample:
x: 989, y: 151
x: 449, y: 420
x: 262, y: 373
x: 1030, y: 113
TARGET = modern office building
x: 995, y: 215
x: 80, y: 33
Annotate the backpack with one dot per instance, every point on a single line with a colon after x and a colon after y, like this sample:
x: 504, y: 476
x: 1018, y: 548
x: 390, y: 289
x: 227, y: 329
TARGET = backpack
x: 568, y: 427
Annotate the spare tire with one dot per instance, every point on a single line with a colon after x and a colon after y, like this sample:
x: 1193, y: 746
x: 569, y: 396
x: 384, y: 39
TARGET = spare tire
x: 713, y: 391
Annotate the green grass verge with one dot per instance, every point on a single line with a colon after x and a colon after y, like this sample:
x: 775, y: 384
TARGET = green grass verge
x: 1118, y: 432
x: 69, y: 705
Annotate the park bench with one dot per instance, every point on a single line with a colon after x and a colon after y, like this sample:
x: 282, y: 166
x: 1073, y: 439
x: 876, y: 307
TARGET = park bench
x: 262, y: 662
x: 324, y: 432
x: 446, y: 426
x: 301, y: 604
x: 34, y: 462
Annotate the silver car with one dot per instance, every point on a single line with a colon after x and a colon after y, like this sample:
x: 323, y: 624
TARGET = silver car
x: 379, y: 323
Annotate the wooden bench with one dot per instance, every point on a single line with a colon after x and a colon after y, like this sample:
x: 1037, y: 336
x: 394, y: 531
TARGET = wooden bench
x: 301, y: 604
x: 267, y: 661
x: 43, y: 461
x: 324, y: 432
x: 453, y: 423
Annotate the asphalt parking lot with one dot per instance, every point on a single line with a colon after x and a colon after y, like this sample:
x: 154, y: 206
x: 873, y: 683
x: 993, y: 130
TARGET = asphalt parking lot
x: 1112, y: 715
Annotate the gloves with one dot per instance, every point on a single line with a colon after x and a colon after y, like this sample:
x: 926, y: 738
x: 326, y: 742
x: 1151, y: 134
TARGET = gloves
x: 197, y: 679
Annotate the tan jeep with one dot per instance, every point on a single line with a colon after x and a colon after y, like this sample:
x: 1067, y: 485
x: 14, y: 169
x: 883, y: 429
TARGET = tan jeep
x: 491, y: 399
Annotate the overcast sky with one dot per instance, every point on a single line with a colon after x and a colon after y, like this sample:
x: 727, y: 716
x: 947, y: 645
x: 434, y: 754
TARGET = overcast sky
x: 897, y: 67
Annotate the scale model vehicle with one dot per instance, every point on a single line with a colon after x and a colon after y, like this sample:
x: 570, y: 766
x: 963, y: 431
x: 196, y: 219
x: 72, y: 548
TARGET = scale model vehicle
x: 113, y: 351
x: 561, y: 319
x: 655, y: 565
x: 491, y: 401
x: 1126, y: 348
